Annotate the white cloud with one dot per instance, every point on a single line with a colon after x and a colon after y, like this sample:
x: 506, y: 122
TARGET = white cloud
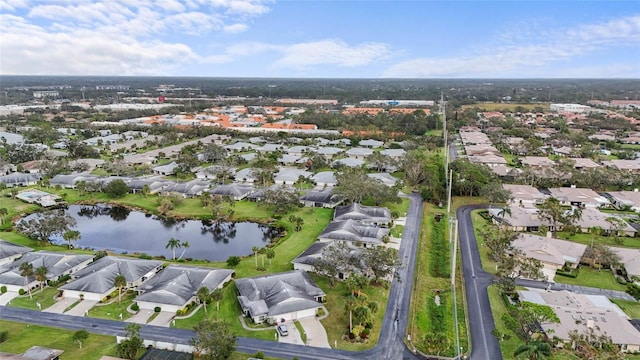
x: 11, y: 5
x: 115, y: 37
x: 235, y: 28
x: 516, y: 54
x: 335, y: 52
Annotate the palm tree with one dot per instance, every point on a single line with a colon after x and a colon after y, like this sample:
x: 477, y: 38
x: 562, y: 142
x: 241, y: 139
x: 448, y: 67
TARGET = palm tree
x: 71, y: 235
x: 217, y: 295
x: 270, y: 255
x: 145, y: 190
x: 255, y: 250
x: 26, y: 270
x: 41, y: 275
x: 203, y: 296
x: 173, y: 244
x: 120, y: 281
x: 503, y: 212
x: 3, y: 212
x: 535, y: 350
x: 185, y: 245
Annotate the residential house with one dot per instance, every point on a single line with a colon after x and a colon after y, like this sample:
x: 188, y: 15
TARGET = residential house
x: 329, y: 152
x: 291, y: 295
x: 320, y: 198
x: 554, y: 254
x: 353, y: 232
x: 57, y: 264
x: 369, y: 143
x: 176, y: 286
x: 623, y: 199
x: 19, y: 179
x: 365, y: 215
x: 246, y: 175
x: 325, y: 179
x: 358, y: 153
x: 235, y: 191
x: 517, y: 218
x: 96, y: 281
x: 625, y: 165
x: 584, y: 163
x: 385, y: 178
x: 524, y: 195
x: 584, y: 313
x: 307, y: 259
x: 581, y: 197
x: 348, y: 162
x: 9, y: 252
x: 537, y: 161
x: 491, y: 160
x: 165, y: 170
x: 288, y: 176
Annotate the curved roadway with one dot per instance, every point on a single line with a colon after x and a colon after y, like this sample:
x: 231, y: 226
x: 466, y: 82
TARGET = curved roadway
x: 484, y: 345
x: 390, y: 344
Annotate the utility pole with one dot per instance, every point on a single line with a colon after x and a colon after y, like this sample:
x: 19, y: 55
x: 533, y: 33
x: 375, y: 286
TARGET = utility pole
x: 454, y: 259
x: 444, y: 134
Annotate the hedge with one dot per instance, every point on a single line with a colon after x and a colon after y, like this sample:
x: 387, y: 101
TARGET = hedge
x: 439, y: 250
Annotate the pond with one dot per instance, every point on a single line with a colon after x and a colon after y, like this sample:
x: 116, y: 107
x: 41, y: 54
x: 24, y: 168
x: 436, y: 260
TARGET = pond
x: 121, y: 230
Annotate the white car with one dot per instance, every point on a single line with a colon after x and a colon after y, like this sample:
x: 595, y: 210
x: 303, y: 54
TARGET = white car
x: 282, y: 330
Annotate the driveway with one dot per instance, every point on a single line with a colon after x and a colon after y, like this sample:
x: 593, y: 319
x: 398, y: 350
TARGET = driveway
x: 163, y: 319
x: 60, y: 305
x: 141, y: 317
x: 7, y: 297
x: 316, y: 334
x: 82, y: 307
x: 294, y: 335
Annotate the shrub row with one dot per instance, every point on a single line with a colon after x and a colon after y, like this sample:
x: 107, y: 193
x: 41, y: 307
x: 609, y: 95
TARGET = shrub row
x: 439, y: 250
x: 437, y: 314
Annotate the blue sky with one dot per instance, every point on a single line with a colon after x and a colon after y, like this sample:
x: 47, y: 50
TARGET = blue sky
x: 342, y: 39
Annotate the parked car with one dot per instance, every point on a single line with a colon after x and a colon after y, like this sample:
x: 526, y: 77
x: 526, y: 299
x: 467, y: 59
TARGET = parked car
x: 282, y: 330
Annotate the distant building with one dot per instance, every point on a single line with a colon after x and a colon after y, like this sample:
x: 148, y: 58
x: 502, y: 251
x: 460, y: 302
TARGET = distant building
x: 572, y: 108
x: 45, y: 94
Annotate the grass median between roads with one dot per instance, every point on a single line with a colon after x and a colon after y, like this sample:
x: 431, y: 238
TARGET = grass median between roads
x: 426, y: 317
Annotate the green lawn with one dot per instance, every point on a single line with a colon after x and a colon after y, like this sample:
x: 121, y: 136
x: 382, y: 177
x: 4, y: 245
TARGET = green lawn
x: 586, y: 239
x: 303, y: 335
x: 396, y: 231
x: 424, y: 288
x: 229, y: 311
x: 593, y: 278
x: 45, y: 298
x: 24, y: 336
x: 337, y: 323
x: 631, y: 308
x: 498, y: 309
x: 15, y: 208
x: 113, y: 310
x: 478, y: 223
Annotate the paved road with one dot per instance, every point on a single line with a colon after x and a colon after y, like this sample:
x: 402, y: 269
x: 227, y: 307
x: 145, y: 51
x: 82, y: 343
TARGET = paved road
x: 390, y: 345
x: 484, y: 345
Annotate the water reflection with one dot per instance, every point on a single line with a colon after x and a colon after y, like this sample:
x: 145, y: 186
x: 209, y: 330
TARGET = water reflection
x: 122, y: 230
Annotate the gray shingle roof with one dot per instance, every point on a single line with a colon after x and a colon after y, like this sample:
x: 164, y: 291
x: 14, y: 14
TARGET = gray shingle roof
x: 312, y: 254
x: 8, y: 249
x: 277, y: 294
x: 233, y: 190
x: 99, y: 276
x: 19, y: 178
x: 359, y: 212
x: 177, y: 285
x: 351, y: 230
x: 57, y: 263
x: 323, y: 196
